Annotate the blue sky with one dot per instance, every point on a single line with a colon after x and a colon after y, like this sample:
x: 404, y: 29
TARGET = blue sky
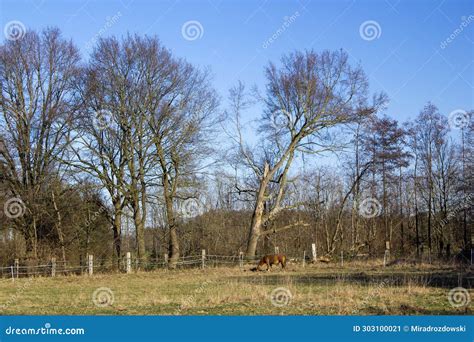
x: 405, y: 59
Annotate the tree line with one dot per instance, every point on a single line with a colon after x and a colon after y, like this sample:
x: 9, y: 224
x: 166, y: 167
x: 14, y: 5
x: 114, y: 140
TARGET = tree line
x: 134, y: 150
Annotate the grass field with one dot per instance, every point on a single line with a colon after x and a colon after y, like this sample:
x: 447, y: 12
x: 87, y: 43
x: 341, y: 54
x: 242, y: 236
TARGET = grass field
x: 362, y: 289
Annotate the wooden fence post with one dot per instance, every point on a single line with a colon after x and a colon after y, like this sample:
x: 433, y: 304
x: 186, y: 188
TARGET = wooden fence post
x: 385, y: 257
x: 13, y: 277
x: 203, y: 258
x: 166, y: 259
x: 17, y: 267
x: 90, y: 264
x: 313, y: 249
x: 277, y: 250
x: 241, y: 259
x: 129, y: 262
x: 304, y: 258
x: 342, y: 259
x: 53, y: 267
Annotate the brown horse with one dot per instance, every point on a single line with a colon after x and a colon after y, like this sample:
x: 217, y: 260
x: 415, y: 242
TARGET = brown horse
x: 272, y: 259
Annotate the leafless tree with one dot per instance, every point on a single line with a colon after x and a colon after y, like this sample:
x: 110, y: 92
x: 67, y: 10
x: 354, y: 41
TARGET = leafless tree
x: 309, y: 94
x: 38, y: 105
x: 181, y: 106
x: 101, y: 137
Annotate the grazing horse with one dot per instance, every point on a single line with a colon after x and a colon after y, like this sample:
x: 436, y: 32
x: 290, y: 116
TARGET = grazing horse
x: 272, y: 259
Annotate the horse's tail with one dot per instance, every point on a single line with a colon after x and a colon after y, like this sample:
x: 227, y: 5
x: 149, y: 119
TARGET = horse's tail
x: 263, y: 261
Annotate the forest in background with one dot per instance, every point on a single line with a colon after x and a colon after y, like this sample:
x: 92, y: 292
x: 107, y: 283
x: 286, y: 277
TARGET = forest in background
x: 134, y: 151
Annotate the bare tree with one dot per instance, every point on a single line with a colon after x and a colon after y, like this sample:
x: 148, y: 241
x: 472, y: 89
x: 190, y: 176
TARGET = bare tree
x: 431, y: 129
x: 467, y: 163
x: 38, y: 104
x: 181, y: 120
x: 412, y: 143
x: 385, y: 143
x: 100, y: 147
x: 308, y: 95
x: 132, y: 71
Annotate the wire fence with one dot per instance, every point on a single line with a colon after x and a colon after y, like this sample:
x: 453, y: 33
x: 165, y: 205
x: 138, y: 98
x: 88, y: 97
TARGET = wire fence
x: 129, y: 264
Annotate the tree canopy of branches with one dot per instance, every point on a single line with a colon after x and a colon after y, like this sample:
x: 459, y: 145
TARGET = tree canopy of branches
x: 38, y: 104
x: 308, y: 95
x: 114, y: 154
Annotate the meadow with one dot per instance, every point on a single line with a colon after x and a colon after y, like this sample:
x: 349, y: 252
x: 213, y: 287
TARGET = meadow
x: 318, y: 289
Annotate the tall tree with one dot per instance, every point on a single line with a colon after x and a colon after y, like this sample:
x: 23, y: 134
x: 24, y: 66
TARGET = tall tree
x: 430, y: 131
x: 385, y: 143
x: 181, y: 121
x: 467, y: 165
x: 38, y: 104
x: 308, y: 95
x: 102, y: 136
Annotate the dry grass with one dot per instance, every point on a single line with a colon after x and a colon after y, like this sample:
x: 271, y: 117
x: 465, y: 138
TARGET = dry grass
x: 315, y: 290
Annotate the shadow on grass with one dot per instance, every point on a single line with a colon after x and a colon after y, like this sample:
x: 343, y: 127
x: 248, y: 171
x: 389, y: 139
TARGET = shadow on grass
x: 442, y: 279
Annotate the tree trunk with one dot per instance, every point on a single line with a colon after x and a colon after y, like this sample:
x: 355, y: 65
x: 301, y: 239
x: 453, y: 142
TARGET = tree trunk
x: 467, y: 243
x: 415, y: 190
x: 256, y: 225
x: 35, y: 240
x: 168, y: 194
x: 117, y: 230
x: 140, y: 233
x: 430, y: 196
x: 173, y: 247
x: 59, y: 228
x: 402, y: 230
x: 173, y: 250
x: 255, y: 230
